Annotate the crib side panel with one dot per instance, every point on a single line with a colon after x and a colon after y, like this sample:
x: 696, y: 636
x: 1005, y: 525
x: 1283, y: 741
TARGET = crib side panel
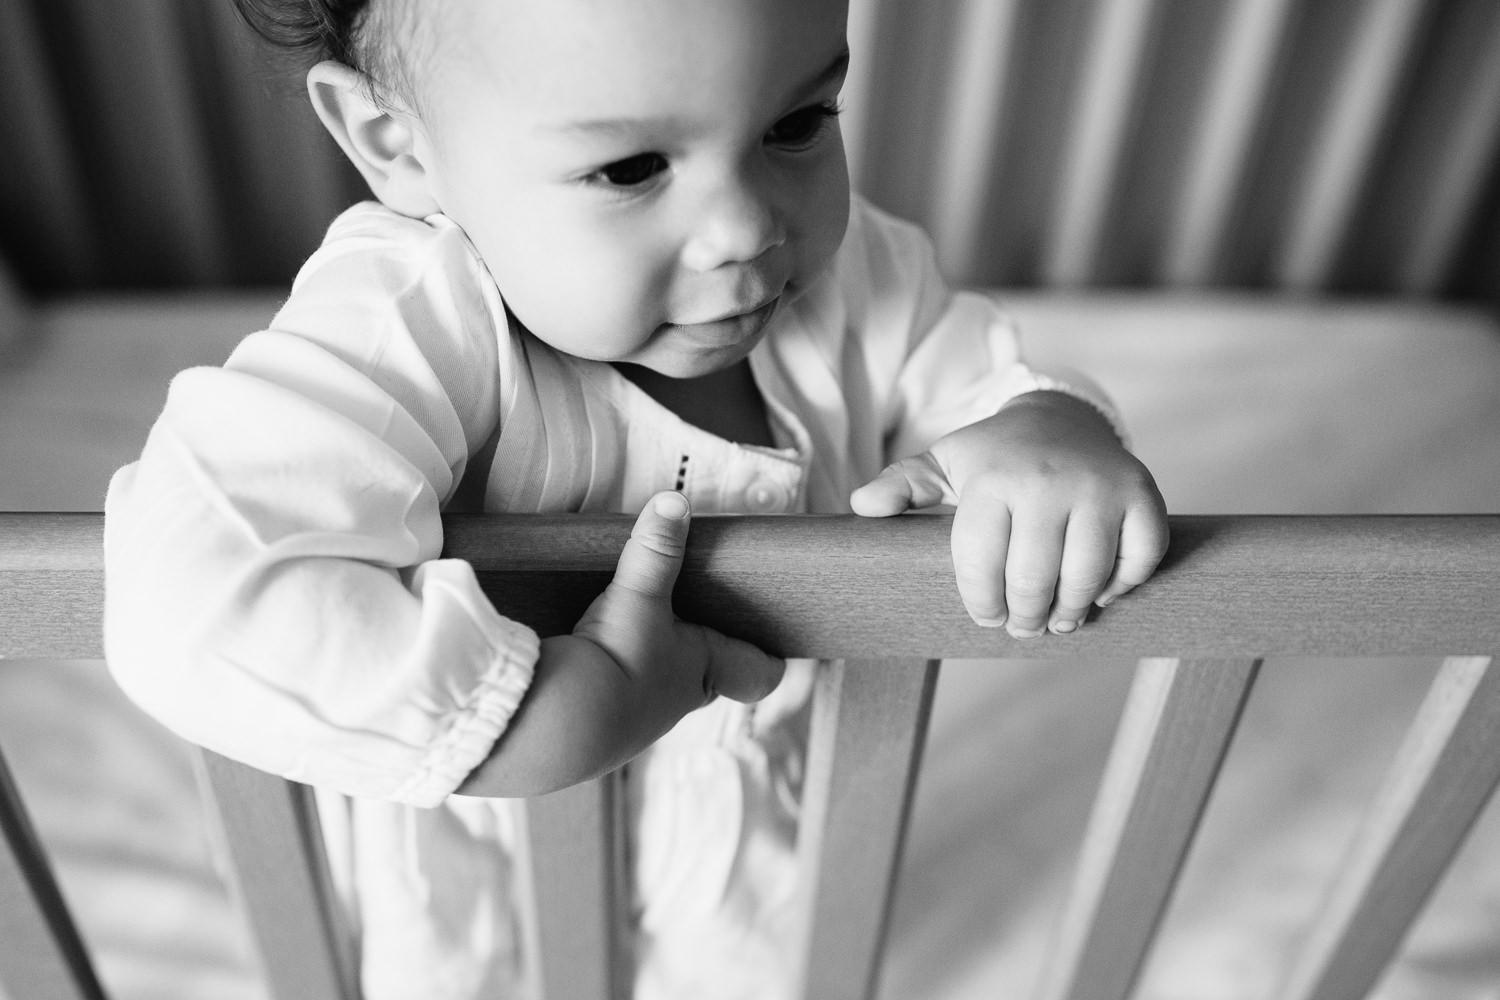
x: 41, y: 955
x: 1442, y: 777
x: 270, y: 828
x: 869, y: 725
x: 574, y: 892
x: 1172, y: 738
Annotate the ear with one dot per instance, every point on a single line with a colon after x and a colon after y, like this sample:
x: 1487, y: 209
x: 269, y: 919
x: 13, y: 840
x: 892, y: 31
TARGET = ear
x: 382, y: 144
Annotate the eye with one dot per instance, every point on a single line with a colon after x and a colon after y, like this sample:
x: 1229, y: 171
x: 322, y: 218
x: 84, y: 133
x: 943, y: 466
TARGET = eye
x: 632, y: 171
x: 803, y: 127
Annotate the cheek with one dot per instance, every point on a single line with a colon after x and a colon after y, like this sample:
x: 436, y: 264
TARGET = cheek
x: 582, y: 289
x: 826, y: 212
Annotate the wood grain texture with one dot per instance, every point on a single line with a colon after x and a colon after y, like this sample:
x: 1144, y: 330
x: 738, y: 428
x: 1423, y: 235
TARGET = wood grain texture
x: 270, y: 826
x: 869, y: 725
x: 41, y: 955
x: 575, y: 892
x: 838, y: 585
x: 1172, y: 738
x: 51, y: 585
x: 830, y: 586
x: 1442, y: 776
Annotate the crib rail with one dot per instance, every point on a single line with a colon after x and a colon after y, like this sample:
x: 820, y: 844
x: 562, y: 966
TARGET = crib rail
x: 828, y: 585
x: 1231, y: 591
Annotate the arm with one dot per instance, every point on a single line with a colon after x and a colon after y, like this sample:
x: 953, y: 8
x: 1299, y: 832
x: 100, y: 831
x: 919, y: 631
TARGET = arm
x: 1053, y: 512
x: 1054, y: 515
x: 274, y: 583
x: 626, y: 674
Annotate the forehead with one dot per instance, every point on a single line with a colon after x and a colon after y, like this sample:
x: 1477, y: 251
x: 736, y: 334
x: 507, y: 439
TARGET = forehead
x: 622, y: 57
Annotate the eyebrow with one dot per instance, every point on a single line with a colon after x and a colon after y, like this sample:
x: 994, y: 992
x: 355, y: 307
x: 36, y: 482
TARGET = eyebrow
x: 833, y: 71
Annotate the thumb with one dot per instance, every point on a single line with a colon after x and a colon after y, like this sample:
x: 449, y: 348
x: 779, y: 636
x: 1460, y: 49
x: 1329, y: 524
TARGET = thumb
x: 651, y: 558
x: 912, y: 482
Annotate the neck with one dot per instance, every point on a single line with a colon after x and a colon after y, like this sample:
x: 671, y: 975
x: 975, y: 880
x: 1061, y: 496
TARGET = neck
x: 726, y: 403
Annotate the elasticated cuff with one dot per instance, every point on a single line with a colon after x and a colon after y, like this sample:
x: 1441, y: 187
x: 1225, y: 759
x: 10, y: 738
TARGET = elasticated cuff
x: 477, y: 725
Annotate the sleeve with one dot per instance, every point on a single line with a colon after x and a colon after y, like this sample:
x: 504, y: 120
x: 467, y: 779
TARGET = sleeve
x: 950, y: 357
x: 274, y: 590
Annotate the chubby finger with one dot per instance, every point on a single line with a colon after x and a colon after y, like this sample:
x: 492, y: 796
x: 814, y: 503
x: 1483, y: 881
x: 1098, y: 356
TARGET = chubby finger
x: 739, y: 670
x: 980, y: 540
x: 1143, y: 543
x: 1088, y: 560
x: 914, y: 482
x: 1032, y: 565
x: 651, y: 558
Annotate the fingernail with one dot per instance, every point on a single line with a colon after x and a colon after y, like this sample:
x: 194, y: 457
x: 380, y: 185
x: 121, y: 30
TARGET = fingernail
x: 673, y: 506
x: 1024, y: 633
x: 1105, y: 601
x: 1063, y: 628
x: 987, y: 621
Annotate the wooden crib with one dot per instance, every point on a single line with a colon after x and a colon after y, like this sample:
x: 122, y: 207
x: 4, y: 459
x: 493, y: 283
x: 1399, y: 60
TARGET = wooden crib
x: 880, y: 595
x: 1264, y: 145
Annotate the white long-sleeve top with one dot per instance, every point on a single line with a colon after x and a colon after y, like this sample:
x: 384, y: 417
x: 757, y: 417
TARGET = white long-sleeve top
x: 275, y: 590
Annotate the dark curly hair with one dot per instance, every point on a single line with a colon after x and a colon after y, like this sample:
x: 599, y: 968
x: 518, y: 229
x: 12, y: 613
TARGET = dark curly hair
x: 323, y: 29
x: 352, y: 32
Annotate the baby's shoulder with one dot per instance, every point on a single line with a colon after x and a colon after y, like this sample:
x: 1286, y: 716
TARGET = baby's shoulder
x: 884, y: 271
x: 378, y: 237
x: 884, y: 252
x: 372, y: 256
x: 389, y: 289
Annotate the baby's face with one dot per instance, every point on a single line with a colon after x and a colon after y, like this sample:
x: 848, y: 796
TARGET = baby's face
x: 647, y: 180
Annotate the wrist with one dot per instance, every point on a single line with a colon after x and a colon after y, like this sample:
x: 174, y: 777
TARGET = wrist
x: 1051, y: 405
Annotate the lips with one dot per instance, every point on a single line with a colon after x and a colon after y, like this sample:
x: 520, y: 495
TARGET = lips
x: 732, y: 328
x: 735, y: 314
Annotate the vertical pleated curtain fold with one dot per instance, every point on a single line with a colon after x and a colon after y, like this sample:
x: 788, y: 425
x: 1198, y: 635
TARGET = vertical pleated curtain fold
x: 1304, y: 145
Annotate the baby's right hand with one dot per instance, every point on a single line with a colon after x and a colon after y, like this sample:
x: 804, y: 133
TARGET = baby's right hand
x: 627, y: 673
x: 685, y: 664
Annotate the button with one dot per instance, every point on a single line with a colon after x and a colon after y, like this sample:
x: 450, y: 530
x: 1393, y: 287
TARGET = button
x: 765, y: 497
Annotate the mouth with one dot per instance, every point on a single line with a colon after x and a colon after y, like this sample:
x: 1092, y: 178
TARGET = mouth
x: 732, y: 328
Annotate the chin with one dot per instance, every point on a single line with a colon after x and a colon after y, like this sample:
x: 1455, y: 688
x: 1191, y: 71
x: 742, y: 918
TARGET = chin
x: 689, y: 369
x: 686, y: 364
x: 701, y: 365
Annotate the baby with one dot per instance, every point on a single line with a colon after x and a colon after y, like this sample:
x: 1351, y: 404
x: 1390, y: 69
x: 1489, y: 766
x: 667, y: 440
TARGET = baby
x: 612, y: 264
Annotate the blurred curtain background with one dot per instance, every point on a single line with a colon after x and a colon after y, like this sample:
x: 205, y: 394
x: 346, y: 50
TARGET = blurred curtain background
x: 1340, y: 146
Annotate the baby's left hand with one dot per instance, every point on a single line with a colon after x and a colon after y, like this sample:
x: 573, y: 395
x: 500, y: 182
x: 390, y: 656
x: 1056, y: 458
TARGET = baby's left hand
x: 1054, y: 515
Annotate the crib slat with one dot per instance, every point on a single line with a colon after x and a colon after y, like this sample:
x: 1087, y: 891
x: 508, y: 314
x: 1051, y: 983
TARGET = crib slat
x: 1443, y: 775
x: 270, y: 826
x: 41, y: 954
x: 868, y: 728
x: 574, y: 891
x: 1173, y: 735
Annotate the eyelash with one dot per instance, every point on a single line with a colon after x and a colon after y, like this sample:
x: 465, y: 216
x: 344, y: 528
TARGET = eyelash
x: 608, y: 175
x: 819, y: 117
x: 617, y: 176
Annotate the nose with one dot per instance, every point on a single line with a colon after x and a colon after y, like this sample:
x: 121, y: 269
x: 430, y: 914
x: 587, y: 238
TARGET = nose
x: 735, y: 222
